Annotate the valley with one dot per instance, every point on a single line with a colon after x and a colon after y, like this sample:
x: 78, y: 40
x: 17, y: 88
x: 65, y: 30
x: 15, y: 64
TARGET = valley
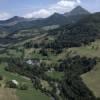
x: 51, y: 58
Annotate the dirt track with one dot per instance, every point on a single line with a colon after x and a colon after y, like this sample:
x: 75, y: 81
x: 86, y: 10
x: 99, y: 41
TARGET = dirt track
x: 7, y: 94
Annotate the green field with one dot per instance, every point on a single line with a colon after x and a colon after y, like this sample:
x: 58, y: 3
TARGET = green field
x: 92, y: 50
x: 31, y: 93
x: 55, y: 75
x: 92, y: 78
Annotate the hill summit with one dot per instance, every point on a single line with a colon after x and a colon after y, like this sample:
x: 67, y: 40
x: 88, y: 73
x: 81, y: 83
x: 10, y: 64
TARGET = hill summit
x: 77, y: 11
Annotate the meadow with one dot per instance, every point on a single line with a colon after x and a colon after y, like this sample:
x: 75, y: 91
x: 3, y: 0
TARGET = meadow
x: 31, y: 93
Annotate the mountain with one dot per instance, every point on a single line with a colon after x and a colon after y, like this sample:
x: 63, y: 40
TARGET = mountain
x: 12, y: 21
x: 83, y: 32
x: 76, y: 14
x: 56, y: 15
x: 55, y: 19
x: 77, y: 11
x: 18, y: 23
x: 15, y: 18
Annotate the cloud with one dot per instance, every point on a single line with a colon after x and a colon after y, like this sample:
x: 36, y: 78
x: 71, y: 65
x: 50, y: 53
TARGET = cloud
x: 78, y: 1
x: 38, y: 14
x: 61, y: 6
x: 4, y: 16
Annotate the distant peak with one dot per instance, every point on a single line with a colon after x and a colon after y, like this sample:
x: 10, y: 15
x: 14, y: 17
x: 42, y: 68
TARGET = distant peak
x: 17, y: 17
x: 79, y: 10
x: 56, y: 14
x: 79, y: 7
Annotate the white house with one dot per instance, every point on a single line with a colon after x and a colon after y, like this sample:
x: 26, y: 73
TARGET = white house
x: 29, y: 62
x: 15, y: 82
x: 33, y: 62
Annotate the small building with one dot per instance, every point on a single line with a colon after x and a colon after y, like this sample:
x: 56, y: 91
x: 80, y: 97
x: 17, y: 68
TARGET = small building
x: 15, y: 82
x: 33, y: 62
x: 29, y: 62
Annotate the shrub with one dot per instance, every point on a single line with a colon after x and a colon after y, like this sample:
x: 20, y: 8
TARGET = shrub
x: 1, y: 77
x: 23, y: 86
x: 10, y: 84
x: 0, y: 85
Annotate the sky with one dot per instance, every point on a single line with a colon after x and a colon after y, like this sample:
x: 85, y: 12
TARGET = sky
x: 43, y: 8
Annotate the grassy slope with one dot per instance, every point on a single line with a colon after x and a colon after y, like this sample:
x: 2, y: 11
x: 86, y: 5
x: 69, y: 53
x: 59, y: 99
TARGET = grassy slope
x: 91, y: 79
x: 30, y: 94
x: 93, y: 50
x: 55, y: 75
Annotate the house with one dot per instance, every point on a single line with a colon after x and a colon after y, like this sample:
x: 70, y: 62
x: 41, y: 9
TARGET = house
x: 33, y: 62
x: 15, y: 82
x: 29, y: 62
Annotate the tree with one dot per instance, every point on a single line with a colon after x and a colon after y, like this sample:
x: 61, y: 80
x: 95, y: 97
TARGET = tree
x: 10, y: 84
x: 1, y: 77
x: 44, y: 52
x: 23, y: 86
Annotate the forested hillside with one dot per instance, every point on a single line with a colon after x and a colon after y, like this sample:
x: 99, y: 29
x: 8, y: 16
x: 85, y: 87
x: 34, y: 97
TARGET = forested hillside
x: 85, y: 31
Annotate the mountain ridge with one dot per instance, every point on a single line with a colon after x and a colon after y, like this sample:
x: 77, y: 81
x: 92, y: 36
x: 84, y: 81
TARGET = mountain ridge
x: 18, y: 23
x: 77, y: 11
